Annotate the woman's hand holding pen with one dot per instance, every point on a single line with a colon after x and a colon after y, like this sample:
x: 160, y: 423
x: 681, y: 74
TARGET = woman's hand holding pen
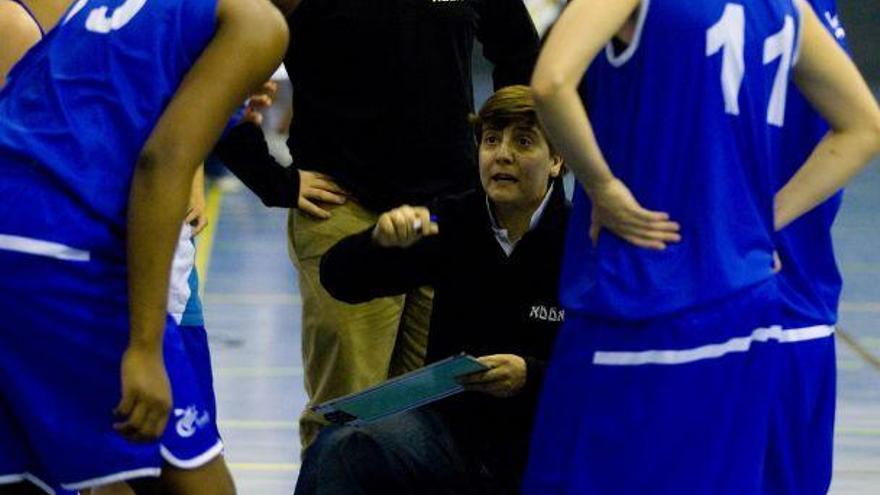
x: 403, y: 226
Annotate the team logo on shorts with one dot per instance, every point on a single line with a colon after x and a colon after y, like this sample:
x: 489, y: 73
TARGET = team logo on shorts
x: 190, y: 420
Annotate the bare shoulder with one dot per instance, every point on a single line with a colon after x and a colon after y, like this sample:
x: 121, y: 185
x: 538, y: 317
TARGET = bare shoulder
x: 15, y: 20
x: 20, y: 33
x: 262, y: 13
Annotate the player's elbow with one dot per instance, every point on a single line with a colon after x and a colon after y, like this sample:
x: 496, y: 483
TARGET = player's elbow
x: 270, y: 32
x: 546, y: 84
x: 164, y: 158
x: 873, y: 133
x: 867, y: 131
x: 259, y: 29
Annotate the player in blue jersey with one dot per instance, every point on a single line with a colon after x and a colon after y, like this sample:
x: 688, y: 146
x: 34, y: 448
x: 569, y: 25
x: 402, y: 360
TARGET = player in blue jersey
x: 665, y: 375
x: 184, y: 303
x: 101, y: 127
x: 810, y: 285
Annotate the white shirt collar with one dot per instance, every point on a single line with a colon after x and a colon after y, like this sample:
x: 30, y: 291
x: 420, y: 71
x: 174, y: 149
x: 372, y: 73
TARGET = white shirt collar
x: 507, y: 245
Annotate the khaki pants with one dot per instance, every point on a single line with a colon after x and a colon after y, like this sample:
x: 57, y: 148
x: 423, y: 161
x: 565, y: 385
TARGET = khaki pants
x: 349, y: 347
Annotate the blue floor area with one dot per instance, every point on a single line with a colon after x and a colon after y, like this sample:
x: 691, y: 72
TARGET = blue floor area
x: 253, y: 313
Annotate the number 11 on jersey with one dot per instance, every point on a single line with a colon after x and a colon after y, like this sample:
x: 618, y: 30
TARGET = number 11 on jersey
x: 728, y: 36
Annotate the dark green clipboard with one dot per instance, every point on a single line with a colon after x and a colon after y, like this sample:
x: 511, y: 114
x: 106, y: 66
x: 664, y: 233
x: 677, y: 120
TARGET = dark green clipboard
x: 405, y: 392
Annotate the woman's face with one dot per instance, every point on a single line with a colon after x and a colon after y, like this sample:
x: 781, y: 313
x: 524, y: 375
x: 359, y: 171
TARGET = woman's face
x: 516, y: 165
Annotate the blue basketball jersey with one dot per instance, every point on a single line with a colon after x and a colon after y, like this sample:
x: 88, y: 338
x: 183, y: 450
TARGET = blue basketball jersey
x: 78, y: 109
x: 809, y: 282
x: 689, y: 115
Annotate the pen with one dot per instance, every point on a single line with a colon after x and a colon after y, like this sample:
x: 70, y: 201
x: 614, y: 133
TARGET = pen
x: 417, y: 224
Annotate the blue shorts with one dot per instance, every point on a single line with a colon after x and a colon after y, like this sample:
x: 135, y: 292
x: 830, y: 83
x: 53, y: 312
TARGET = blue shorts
x: 799, y: 459
x: 673, y: 405
x: 195, y: 342
x: 64, y: 330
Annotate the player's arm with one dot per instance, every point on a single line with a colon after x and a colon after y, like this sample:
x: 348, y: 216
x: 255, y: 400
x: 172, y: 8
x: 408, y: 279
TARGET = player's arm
x: 19, y: 34
x: 833, y: 85
x: 581, y: 32
x: 250, y: 39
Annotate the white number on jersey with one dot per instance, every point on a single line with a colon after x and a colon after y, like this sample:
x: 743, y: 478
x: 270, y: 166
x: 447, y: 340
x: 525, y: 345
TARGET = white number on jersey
x: 98, y: 20
x: 728, y: 34
x: 780, y: 46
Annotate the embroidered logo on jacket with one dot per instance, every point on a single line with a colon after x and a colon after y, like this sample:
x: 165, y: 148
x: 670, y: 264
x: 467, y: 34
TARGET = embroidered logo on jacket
x: 543, y: 313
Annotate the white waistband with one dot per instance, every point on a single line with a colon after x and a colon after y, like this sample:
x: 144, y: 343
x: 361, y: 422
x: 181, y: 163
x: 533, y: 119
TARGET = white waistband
x: 711, y: 351
x: 42, y: 248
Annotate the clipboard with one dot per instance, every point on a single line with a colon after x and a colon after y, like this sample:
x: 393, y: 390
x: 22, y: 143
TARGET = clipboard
x: 403, y: 393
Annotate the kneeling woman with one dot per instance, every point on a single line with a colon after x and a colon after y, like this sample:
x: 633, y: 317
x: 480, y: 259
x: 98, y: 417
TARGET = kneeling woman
x: 493, y: 258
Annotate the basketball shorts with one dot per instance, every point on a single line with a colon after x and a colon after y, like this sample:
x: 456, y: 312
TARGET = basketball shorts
x: 799, y: 459
x: 63, y: 329
x: 673, y: 405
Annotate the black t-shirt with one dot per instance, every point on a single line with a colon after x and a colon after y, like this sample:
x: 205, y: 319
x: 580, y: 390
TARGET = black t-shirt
x: 383, y: 88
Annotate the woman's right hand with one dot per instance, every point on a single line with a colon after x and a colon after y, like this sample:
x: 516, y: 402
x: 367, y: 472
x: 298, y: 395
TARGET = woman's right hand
x: 403, y: 226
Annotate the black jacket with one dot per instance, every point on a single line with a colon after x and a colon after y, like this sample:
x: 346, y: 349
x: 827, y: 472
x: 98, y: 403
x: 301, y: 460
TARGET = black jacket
x: 484, y: 303
x: 245, y: 153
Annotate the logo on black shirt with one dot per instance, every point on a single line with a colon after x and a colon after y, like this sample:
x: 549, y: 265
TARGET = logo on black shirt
x: 543, y: 313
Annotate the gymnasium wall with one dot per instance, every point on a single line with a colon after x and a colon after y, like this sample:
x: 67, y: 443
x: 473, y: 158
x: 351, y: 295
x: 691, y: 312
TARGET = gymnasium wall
x: 861, y: 18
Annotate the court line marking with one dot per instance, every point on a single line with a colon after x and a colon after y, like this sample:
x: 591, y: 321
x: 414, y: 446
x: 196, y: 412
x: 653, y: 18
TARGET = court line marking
x: 205, y: 240
x: 278, y: 467
x: 858, y: 432
x: 257, y: 371
x: 862, y: 307
x: 257, y: 424
x: 260, y: 298
x: 858, y: 348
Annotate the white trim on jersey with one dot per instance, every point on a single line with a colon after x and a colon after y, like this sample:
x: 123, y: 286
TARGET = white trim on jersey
x: 42, y: 485
x: 711, y: 351
x: 18, y: 478
x: 618, y: 60
x: 198, y: 461
x: 152, y: 472
x: 800, y: 33
x: 39, y: 247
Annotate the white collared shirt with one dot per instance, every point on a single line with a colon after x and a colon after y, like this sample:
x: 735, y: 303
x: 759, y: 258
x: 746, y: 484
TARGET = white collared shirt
x: 507, y: 245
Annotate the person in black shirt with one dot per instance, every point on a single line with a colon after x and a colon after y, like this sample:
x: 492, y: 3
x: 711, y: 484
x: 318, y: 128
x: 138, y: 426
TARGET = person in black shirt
x: 493, y: 258
x: 381, y: 94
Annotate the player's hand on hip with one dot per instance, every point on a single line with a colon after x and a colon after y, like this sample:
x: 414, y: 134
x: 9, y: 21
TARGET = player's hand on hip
x: 316, y: 191
x: 505, y: 377
x: 146, y: 395
x: 404, y: 226
x: 617, y: 210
